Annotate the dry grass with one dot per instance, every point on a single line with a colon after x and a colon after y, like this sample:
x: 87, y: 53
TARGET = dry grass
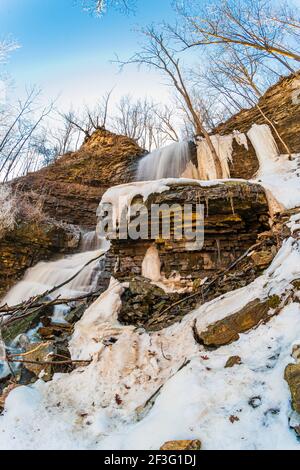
x: 18, y: 207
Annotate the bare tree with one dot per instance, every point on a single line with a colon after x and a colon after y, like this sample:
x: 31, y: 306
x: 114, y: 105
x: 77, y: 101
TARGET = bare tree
x: 19, y: 132
x: 158, y: 53
x: 255, y: 24
x: 242, y: 76
x: 91, y: 119
x: 165, y: 122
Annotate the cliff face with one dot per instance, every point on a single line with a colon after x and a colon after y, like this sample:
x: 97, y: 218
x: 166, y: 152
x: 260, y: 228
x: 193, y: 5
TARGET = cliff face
x: 281, y: 105
x: 75, y: 183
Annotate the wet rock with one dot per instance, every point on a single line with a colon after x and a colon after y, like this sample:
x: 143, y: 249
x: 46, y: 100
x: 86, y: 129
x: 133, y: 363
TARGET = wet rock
x: 227, y: 330
x: 10, y: 332
x: 182, y: 445
x: 55, y: 330
x: 39, y: 353
x: 292, y: 376
x: 76, y: 313
x: 233, y: 361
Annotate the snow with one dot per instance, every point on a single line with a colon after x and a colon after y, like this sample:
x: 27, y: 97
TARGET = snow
x: 278, y: 174
x: 120, y: 197
x: 194, y: 402
x: 294, y: 223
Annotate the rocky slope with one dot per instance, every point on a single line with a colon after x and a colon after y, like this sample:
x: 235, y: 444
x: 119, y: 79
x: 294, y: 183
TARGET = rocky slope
x: 281, y: 105
x: 72, y: 187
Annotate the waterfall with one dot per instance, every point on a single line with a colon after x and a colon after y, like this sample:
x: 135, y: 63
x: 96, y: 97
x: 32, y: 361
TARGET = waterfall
x: 90, y: 241
x: 46, y: 275
x: 167, y: 162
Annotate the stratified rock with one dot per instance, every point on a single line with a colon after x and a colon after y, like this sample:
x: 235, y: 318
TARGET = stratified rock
x: 292, y: 376
x: 73, y: 186
x: 235, y: 214
x: 233, y: 361
x: 278, y: 105
x: 182, y: 445
x: 227, y: 330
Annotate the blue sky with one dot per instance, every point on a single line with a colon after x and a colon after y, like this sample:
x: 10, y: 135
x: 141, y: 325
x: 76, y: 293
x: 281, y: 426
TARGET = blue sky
x: 68, y: 52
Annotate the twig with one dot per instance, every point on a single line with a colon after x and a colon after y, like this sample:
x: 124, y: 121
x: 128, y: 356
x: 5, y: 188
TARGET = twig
x: 32, y: 302
x: 195, y: 294
x: 51, y: 363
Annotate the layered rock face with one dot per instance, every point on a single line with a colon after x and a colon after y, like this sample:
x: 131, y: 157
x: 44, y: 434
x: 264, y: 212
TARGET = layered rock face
x: 29, y: 243
x: 281, y: 105
x: 234, y: 214
x: 73, y: 186
x: 164, y: 272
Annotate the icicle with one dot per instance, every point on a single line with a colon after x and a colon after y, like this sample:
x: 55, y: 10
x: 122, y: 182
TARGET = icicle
x: 206, y: 164
x: 151, y: 264
x: 241, y: 139
x: 265, y: 146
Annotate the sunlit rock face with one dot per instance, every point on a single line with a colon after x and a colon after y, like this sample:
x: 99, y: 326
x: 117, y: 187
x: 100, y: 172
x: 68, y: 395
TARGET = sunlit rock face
x: 73, y: 185
x: 281, y: 105
x: 234, y: 214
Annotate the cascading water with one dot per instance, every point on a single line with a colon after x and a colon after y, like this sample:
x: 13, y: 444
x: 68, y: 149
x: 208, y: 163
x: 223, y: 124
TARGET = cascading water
x: 46, y: 275
x: 167, y: 162
x: 90, y: 241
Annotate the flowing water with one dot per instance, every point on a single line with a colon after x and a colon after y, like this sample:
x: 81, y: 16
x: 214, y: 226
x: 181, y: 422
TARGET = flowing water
x: 167, y: 162
x: 48, y: 274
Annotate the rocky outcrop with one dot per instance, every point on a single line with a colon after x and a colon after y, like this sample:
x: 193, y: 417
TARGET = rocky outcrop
x: 236, y: 219
x: 228, y: 330
x: 182, y: 445
x: 292, y: 376
x: 281, y: 105
x: 73, y: 186
x: 31, y: 242
x: 235, y: 214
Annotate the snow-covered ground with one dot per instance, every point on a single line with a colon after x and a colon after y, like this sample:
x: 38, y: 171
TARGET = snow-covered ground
x: 143, y: 389
x: 104, y: 405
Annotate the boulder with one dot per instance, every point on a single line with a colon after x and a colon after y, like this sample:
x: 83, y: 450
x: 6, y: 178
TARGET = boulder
x: 292, y: 376
x: 233, y: 361
x: 182, y: 445
x: 228, y: 329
